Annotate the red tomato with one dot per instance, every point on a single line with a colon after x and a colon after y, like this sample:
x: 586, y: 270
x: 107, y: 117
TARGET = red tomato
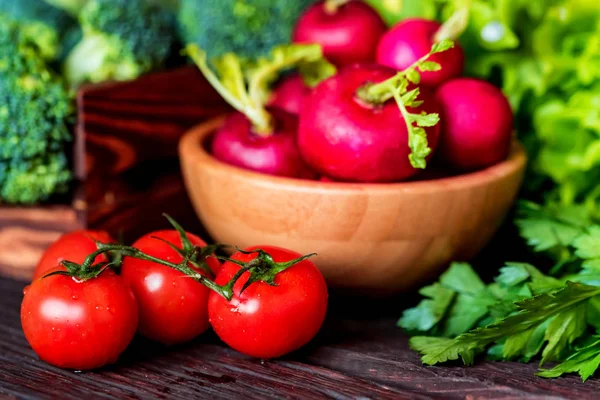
x: 74, y: 246
x: 173, y: 307
x: 269, y: 321
x: 79, y: 324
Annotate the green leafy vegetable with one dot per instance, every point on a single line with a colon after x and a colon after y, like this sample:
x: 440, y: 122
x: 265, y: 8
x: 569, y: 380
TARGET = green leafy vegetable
x: 565, y: 306
x: 584, y: 361
x: 545, y: 54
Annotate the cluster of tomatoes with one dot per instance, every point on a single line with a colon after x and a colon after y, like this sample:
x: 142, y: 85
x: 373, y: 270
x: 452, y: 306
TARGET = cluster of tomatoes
x: 79, y: 313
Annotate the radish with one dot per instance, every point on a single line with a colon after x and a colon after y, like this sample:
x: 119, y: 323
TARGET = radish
x: 351, y: 130
x: 277, y: 154
x: 255, y: 137
x: 477, y: 124
x: 289, y: 94
x: 410, y: 40
x: 326, y: 179
x: 349, y: 139
x: 348, y: 30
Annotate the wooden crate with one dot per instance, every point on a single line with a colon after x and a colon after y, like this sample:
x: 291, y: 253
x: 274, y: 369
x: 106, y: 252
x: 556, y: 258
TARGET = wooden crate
x: 126, y: 163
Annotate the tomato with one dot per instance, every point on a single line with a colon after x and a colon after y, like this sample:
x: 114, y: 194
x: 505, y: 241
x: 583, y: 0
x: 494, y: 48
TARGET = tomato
x: 266, y: 321
x: 77, y: 324
x: 74, y: 246
x: 173, y: 307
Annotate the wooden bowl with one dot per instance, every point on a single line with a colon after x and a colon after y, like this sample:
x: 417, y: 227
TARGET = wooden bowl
x: 383, y: 237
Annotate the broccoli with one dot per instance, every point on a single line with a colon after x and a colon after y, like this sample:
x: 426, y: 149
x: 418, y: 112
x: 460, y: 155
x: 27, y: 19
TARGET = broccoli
x: 35, y: 109
x: 43, y: 23
x: 34, y: 104
x: 248, y: 28
x: 122, y: 39
x: 73, y: 7
x: 35, y: 180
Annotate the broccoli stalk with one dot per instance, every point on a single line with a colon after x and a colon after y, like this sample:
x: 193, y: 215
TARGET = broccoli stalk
x: 122, y: 39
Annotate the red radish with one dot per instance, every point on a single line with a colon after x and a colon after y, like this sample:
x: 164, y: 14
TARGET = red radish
x: 326, y: 179
x: 348, y: 31
x: 348, y: 139
x: 277, y: 154
x: 410, y: 40
x: 477, y: 124
x: 289, y: 93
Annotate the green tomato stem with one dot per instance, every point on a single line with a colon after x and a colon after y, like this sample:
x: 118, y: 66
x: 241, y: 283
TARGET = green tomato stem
x: 226, y: 291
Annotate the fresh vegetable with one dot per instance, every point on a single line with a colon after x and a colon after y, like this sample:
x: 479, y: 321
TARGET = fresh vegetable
x: 365, y: 124
x: 542, y: 55
x: 73, y: 246
x: 410, y: 40
x: 43, y: 24
x: 394, y: 11
x: 264, y: 302
x: 276, y: 310
x: 476, y: 123
x: 122, y: 39
x: 35, y: 111
x: 73, y: 7
x: 79, y: 322
x: 257, y: 138
x: 247, y: 28
x: 236, y: 144
x: 172, y: 309
x: 348, y: 31
x: 289, y: 94
x: 524, y: 313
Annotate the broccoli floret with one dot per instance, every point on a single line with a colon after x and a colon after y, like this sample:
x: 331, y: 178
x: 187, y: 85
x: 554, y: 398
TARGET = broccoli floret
x: 248, y: 28
x: 35, y: 109
x: 122, y: 39
x: 44, y: 24
x: 73, y: 7
x: 35, y: 180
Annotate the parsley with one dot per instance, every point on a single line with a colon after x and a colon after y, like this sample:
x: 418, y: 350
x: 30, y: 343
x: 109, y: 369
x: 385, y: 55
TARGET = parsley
x: 565, y: 306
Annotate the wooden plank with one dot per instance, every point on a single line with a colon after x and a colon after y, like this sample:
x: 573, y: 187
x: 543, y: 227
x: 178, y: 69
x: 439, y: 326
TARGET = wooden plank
x: 26, y: 232
x: 363, y: 356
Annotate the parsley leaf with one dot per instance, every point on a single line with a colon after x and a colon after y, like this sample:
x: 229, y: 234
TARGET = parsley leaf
x: 587, y: 247
x: 584, y: 361
x: 565, y: 305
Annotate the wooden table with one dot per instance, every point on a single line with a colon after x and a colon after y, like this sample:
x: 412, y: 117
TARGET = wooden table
x: 352, y: 357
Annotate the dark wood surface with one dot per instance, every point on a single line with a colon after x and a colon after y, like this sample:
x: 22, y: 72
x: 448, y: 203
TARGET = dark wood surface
x: 351, y: 358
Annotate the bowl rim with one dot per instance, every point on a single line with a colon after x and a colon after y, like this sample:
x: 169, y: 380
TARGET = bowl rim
x: 189, y: 148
